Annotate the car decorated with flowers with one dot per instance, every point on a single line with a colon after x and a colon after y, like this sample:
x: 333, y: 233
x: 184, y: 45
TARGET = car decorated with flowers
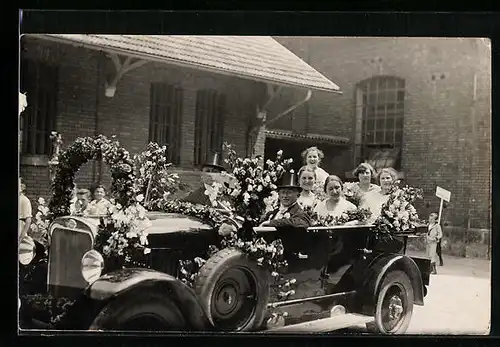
x: 167, y: 265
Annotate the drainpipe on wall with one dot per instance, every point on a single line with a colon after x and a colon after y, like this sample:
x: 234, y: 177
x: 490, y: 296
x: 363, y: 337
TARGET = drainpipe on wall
x: 290, y: 109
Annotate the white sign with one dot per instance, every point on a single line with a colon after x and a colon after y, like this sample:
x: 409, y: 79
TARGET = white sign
x: 443, y: 194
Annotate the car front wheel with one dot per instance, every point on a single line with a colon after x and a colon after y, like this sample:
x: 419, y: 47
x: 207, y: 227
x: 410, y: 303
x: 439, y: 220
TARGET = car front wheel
x: 394, y: 306
x: 145, y: 311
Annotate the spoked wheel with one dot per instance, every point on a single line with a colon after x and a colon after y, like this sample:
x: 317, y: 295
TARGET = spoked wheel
x: 149, y: 311
x: 233, y: 291
x: 394, y: 305
x: 233, y: 298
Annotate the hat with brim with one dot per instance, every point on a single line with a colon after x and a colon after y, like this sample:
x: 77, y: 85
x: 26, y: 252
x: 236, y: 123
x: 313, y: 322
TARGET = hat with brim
x: 290, y: 180
x: 214, y: 160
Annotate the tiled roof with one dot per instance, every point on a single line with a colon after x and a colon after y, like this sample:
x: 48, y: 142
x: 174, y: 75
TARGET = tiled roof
x: 288, y: 135
x: 255, y: 57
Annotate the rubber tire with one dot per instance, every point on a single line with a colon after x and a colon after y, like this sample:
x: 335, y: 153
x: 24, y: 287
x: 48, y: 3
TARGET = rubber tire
x: 121, y: 309
x: 215, y: 267
x: 389, y: 279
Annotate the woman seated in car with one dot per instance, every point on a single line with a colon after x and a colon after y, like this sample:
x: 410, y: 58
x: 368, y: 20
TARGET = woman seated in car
x: 335, y: 203
x: 365, y: 174
x: 100, y: 205
x: 307, y: 180
x: 373, y: 200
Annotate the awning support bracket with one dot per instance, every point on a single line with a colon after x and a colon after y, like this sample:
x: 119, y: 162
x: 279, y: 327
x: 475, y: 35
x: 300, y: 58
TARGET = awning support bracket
x: 120, y: 69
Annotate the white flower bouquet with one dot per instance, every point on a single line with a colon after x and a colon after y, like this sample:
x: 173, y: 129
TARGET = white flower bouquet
x: 398, y: 214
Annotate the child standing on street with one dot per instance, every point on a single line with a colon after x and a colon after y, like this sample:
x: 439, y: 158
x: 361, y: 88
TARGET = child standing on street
x: 434, y: 234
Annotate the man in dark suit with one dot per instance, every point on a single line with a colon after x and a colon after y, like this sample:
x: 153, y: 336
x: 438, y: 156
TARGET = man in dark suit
x: 289, y: 213
x: 211, y: 171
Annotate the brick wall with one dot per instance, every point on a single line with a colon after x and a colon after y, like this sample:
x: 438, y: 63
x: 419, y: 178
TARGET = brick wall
x: 83, y: 109
x: 447, y: 132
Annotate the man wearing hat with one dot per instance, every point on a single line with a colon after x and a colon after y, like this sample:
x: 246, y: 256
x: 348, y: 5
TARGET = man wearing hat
x: 289, y: 213
x: 211, y: 171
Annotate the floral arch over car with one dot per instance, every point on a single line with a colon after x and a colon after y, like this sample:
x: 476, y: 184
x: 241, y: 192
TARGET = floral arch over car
x: 81, y: 151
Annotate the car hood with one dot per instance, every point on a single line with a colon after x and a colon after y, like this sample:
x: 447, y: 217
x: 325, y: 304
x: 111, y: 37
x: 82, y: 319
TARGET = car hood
x: 172, y: 230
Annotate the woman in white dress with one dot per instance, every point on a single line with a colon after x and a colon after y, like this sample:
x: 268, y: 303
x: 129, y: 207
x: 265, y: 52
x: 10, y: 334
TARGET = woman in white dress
x: 312, y: 159
x: 307, y: 180
x: 335, y: 203
x: 100, y: 205
x: 373, y: 200
x: 365, y: 173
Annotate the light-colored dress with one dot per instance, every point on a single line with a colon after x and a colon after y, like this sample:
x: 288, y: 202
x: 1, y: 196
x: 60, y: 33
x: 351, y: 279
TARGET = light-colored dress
x: 433, y: 236
x: 100, y: 207
x: 373, y: 201
x: 342, y: 206
x: 308, y: 200
x: 25, y: 211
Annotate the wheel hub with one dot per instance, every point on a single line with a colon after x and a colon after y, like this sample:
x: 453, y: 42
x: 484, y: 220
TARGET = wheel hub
x: 395, y: 307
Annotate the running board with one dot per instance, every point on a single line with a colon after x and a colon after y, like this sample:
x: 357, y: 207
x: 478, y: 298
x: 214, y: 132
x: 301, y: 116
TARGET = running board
x: 324, y: 325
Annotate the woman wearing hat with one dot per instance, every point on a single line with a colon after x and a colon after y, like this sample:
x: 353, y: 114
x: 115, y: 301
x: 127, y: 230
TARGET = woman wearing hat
x: 289, y: 213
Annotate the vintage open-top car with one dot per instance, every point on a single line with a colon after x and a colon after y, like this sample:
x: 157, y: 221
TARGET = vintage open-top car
x: 342, y: 276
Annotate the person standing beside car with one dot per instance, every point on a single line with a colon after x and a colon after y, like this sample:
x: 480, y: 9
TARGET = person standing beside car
x: 100, y: 205
x: 434, y: 233
x: 312, y: 159
x: 25, y: 211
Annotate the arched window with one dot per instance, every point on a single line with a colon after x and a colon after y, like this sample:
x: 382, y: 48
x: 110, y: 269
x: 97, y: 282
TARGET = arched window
x: 379, y: 121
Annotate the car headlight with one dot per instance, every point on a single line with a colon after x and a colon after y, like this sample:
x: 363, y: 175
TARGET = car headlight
x: 26, y: 250
x: 92, y: 266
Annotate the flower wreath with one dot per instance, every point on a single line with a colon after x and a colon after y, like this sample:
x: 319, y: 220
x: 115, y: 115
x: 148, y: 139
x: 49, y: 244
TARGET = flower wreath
x: 78, y: 153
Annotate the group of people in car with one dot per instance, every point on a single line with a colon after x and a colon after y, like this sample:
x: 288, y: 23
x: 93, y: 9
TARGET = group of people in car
x: 312, y: 188
x: 90, y: 203
x: 323, y: 193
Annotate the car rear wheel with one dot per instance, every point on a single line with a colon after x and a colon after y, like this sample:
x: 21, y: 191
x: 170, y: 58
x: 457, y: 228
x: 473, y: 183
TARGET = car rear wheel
x: 148, y: 311
x: 233, y: 290
x: 394, y: 306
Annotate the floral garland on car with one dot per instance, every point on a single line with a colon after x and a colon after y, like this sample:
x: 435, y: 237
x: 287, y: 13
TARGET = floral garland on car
x: 254, y: 191
x: 398, y: 214
x: 153, y: 179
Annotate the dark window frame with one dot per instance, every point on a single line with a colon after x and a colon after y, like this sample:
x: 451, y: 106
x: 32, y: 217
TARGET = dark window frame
x: 380, y: 100
x: 209, y: 123
x: 165, y: 118
x: 40, y: 81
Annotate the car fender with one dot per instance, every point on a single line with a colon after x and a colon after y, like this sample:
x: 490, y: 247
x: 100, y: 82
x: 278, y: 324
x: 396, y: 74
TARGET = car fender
x: 374, y: 275
x: 124, y: 281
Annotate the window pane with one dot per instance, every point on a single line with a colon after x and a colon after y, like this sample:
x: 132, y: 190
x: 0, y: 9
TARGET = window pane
x: 401, y: 96
x: 381, y: 110
x: 380, y: 125
x: 389, y: 123
x: 370, y: 112
x: 398, y: 136
x: 379, y: 137
x: 370, y: 124
x: 369, y: 137
x: 389, y: 136
x: 401, y: 84
x: 365, y: 98
x: 391, y: 83
x: 372, y: 98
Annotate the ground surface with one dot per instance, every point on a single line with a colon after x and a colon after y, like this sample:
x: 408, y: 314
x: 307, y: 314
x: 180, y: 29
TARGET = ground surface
x: 458, y: 302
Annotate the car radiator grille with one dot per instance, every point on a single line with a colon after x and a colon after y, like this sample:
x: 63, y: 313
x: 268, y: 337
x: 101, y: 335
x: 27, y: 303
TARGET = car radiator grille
x: 166, y: 260
x: 66, y: 251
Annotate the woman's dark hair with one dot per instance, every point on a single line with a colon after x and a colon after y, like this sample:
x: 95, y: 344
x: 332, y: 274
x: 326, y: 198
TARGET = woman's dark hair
x: 364, y: 167
x: 332, y: 178
x: 95, y: 186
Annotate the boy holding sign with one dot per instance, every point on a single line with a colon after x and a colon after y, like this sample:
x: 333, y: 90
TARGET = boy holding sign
x: 434, y: 234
